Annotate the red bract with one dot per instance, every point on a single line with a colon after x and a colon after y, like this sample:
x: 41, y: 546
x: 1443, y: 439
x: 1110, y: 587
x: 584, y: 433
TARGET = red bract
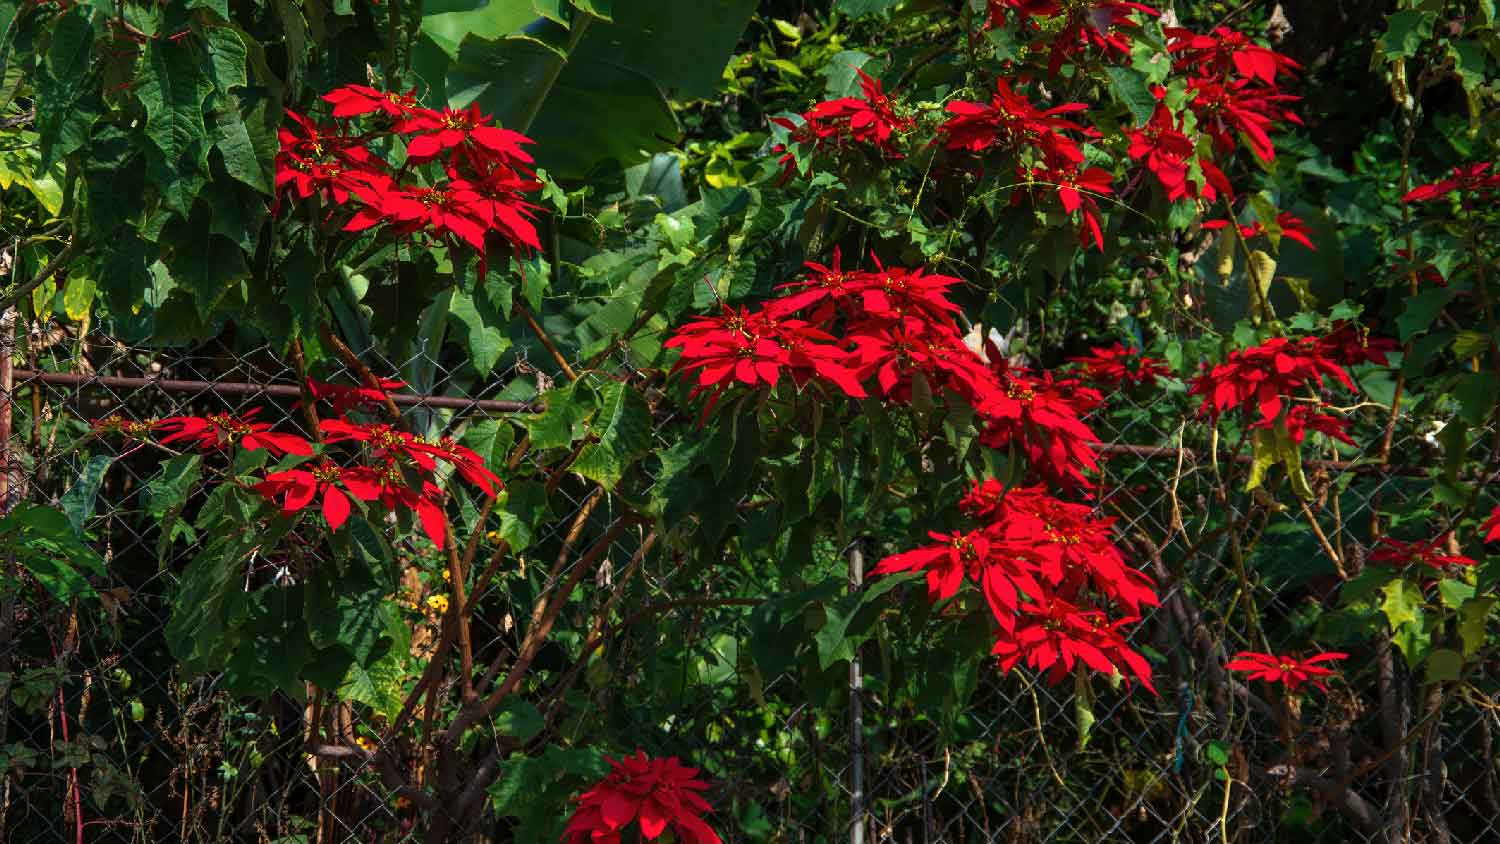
x: 656, y: 793
x: 344, y: 398
x: 753, y: 348
x: 870, y: 120
x: 1350, y: 344
x: 387, y: 484
x: 1033, y: 415
x: 893, y: 351
x: 1005, y: 579
x: 1010, y: 121
x: 1105, y: 25
x: 318, y: 161
x: 465, y: 461
x: 1226, y: 109
x: 1291, y: 226
x: 356, y: 100
x: 1303, y: 417
x: 1285, y: 669
x: 465, y: 130
x: 453, y: 212
x: 1491, y: 527
x: 1113, y: 365
x: 1254, y: 380
x: 221, y: 430
x: 1400, y: 554
x: 1225, y: 52
x: 1058, y: 635
x: 298, y: 488
x: 887, y: 293
x: 1170, y: 156
x: 1468, y: 178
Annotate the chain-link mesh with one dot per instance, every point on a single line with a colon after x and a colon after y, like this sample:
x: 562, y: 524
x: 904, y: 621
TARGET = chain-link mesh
x: 103, y: 739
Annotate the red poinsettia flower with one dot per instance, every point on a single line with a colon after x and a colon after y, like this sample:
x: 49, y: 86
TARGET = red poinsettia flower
x: 657, y: 794
x: 1225, y: 110
x: 387, y: 484
x: 221, y: 430
x: 1285, y: 669
x: 893, y: 351
x: 1106, y: 25
x: 1057, y: 635
x: 1491, y: 527
x: 1076, y: 190
x: 314, y: 160
x: 344, y: 398
x: 870, y: 121
x: 1303, y: 417
x: 356, y: 100
x: 299, y: 487
x: 1170, y: 156
x: 1113, y: 365
x: 438, y: 132
x: 1011, y: 121
x: 1226, y: 52
x: 1036, y: 416
x: 453, y: 212
x: 885, y: 293
x: 1468, y: 178
x: 1400, y: 554
x: 1291, y: 226
x: 465, y: 461
x: 1351, y: 344
x: 500, y: 204
x: 1255, y: 379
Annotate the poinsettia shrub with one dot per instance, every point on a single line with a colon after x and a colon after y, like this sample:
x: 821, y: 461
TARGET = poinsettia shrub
x: 1070, y: 373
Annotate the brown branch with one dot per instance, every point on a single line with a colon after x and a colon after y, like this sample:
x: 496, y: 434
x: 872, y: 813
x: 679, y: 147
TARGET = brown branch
x: 357, y: 366
x: 40, y: 278
x: 546, y: 341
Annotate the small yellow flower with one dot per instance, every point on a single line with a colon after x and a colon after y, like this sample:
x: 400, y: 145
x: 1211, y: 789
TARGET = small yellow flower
x: 365, y: 744
x: 493, y: 536
x: 438, y: 604
x: 403, y: 803
x: 447, y: 575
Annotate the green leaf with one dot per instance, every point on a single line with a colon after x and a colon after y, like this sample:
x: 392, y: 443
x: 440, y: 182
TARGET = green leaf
x: 1444, y: 666
x: 624, y: 432
x: 519, y: 718
x: 522, y: 509
x: 1422, y: 310
x: 1129, y: 87
x: 491, y: 439
x: 173, y: 88
x: 167, y: 491
x: 1472, y: 620
x: 44, y: 544
x: 483, y: 336
x: 1406, y: 30
x: 449, y: 22
x: 78, y: 501
x: 62, y: 114
x: 863, y: 8
x: 851, y: 620
x: 1403, y: 603
x: 567, y: 409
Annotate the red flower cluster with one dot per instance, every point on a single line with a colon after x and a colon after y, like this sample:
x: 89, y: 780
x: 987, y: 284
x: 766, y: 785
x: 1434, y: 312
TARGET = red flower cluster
x: 656, y: 793
x: 1285, y: 669
x: 1473, y: 181
x: 1233, y: 87
x: 1491, y: 527
x: 1111, y: 366
x: 394, y: 468
x: 1103, y: 25
x: 1401, y: 554
x: 1350, y: 344
x: 1038, y: 560
x: 219, y: 431
x: 1257, y: 379
x: 1292, y: 228
x: 870, y: 121
x: 480, y: 183
x: 874, y: 332
x: 1171, y: 156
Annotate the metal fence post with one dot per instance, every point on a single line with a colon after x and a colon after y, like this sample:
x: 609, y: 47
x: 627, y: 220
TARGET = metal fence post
x: 856, y: 715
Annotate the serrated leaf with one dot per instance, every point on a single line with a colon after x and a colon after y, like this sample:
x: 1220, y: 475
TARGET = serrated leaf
x: 1444, y: 666
x: 63, y: 121
x: 1129, y: 87
x: 483, y: 336
x: 1403, y: 603
x: 562, y: 421
x: 78, y: 501
x: 624, y: 431
x: 1472, y: 621
x: 173, y: 88
x: 518, y: 718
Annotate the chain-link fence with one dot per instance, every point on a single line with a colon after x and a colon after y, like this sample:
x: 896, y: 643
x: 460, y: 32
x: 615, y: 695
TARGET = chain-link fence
x: 104, y: 739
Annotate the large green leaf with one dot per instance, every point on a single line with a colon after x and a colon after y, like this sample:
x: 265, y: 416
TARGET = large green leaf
x: 63, y: 118
x: 449, y: 22
x: 595, y: 113
x: 624, y: 432
x: 683, y: 45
